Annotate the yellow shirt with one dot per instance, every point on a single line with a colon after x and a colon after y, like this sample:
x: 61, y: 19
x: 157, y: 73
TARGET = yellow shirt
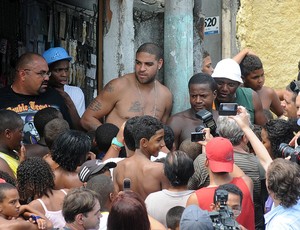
x: 12, y: 162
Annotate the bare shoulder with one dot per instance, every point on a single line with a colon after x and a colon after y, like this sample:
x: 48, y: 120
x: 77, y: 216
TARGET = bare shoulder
x: 164, y: 89
x: 154, y: 168
x: 192, y: 200
x: 181, y: 116
x: 117, y: 84
x: 248, y: 181
x: 268, y: 91
x: 36, y: 205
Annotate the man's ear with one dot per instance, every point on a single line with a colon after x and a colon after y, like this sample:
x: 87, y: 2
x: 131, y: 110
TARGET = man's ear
x: 245, y: 139
x: 112, y: 196
x: 7, y: 133
x: 143, y: 142
x: 160, y: 63
x: 215, y: 94
x: 79, y: 218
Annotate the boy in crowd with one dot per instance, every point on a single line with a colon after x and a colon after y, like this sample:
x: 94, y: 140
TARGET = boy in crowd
x: 253, y: 76
x: 146, y: 176
x: 11, y: 134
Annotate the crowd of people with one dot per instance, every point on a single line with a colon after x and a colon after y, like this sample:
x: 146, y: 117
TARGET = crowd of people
x: 126, y: 163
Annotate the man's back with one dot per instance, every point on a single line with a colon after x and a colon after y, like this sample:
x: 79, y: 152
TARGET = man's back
x: 146, y: 176
x: 65, y: 179
x: 246, y: 218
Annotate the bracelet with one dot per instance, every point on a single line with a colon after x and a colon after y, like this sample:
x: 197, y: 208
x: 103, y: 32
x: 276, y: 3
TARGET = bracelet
x: 35, y: 218
x: 115, y: 147
x: 116, y: 142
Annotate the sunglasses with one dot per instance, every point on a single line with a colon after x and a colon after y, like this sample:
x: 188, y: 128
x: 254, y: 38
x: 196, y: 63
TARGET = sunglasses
x: 294, y: 87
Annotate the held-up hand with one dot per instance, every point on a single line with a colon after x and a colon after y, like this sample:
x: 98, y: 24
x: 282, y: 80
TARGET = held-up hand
x: 293, y: 142
x: 42, y: 224
x: 242, y: 117
x: 208, y: 137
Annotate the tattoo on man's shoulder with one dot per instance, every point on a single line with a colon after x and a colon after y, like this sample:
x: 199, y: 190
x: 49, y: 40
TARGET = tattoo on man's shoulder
x: 135, y: 107
x: 109, y: 87
x: 95, y: 105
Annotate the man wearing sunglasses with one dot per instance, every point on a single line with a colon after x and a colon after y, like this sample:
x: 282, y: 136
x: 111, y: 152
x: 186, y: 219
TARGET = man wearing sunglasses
x: 30, y: 93
x: 289, y: 102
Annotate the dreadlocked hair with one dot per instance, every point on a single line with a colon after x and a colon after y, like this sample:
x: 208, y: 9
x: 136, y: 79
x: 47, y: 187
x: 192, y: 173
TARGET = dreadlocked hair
x: 34, y: 178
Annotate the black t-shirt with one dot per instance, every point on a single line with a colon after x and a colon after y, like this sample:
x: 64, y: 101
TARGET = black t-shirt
x: 26, y: 106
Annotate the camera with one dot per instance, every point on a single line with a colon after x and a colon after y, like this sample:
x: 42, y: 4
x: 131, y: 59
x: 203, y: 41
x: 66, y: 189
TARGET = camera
x: 208, y: 120
x: 287, y: 150
x: 198, y: 135
x: 223, y: 218
x: 228, y: 109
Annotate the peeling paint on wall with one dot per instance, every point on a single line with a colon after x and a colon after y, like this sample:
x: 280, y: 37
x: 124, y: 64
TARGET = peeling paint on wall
x: 271, y: 29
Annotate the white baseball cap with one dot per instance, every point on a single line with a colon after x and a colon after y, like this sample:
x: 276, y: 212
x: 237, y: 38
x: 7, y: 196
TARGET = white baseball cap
x: 228, y: 68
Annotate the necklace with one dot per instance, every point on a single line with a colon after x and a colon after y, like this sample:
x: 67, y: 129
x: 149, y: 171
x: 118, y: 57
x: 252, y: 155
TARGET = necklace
x: 142, y: 100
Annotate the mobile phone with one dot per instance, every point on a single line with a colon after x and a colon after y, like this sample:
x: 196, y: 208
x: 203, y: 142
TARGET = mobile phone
x: 126, y: 184
x: 197, y: 136
x: 228, y: 109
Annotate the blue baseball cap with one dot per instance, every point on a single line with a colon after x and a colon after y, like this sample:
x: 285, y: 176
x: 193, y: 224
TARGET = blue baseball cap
x: 194, y: 217
x: 56, y: 54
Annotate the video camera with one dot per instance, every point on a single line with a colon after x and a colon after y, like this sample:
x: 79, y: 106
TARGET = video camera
x: 287, y: 150
x: 223, y: 219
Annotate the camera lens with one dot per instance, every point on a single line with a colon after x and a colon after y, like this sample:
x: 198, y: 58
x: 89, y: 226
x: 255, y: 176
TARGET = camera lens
x: 286, y: 150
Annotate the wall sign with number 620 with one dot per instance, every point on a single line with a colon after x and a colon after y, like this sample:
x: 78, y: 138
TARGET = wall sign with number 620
x: 211, y: 21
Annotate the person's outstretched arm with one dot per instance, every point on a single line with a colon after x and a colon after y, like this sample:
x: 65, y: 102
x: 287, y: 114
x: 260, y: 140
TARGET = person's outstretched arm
x: 261, y: 152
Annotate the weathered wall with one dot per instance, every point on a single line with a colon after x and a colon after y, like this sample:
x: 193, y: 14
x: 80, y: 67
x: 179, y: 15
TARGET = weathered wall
x: 271, y: 29
x: 118, y: 41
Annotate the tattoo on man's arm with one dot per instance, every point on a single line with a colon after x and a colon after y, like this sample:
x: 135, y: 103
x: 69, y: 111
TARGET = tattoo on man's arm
x: 109, y: 88
x: 95, y: 105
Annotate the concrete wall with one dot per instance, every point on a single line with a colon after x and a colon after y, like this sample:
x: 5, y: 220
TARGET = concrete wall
x: 271, y: 29
x: 118, y: 42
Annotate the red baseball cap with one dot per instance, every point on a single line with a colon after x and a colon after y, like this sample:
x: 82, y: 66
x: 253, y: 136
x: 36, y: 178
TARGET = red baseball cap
x: 219, y: 152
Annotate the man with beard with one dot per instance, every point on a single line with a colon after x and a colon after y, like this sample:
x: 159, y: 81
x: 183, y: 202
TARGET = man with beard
x: 202, y: 90
x: 29, y: 92
x: 133, y: 94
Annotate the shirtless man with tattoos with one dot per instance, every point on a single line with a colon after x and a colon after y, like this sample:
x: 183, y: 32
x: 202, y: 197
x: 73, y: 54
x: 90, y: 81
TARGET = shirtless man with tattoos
x: 133, y: 94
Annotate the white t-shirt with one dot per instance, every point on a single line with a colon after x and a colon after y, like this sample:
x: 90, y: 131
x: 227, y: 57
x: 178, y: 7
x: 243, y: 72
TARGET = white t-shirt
x: 77, y: 97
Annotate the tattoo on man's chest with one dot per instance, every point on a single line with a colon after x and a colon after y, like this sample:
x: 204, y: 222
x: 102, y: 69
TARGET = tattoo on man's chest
x: 95, y: 105
x: 135, y: 107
